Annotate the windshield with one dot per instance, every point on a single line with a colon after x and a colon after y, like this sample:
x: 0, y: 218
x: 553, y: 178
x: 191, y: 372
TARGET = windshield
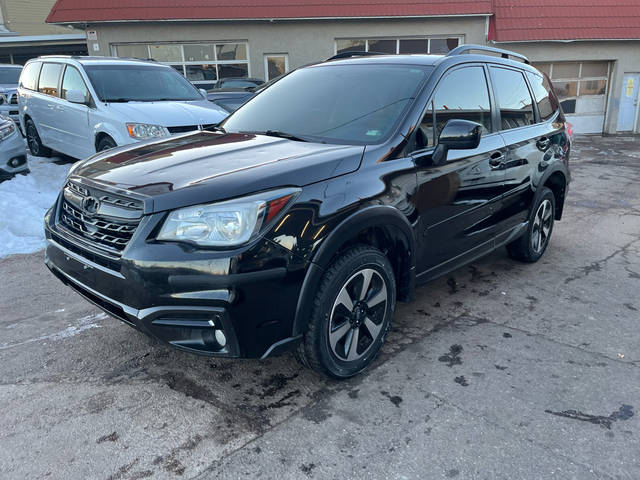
x: 333, y: 103
x: 9, y: 76
x: 139, y: 83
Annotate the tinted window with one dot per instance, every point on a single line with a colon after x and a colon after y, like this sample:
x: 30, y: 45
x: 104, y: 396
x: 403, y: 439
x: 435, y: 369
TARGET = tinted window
x: 49, y: 77
x: 461, y: 94
x: 547, y: 103
x: 139, y: 83
x: 29, y: 77
x: 514, y: 99
x: 333, y: 103
x: 9, y: 75
x: 73, y: 81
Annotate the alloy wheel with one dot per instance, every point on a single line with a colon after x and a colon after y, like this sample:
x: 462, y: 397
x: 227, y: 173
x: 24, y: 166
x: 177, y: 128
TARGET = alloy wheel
x: 541, y: 226
x: 358, y: 315
x: 32, y: 140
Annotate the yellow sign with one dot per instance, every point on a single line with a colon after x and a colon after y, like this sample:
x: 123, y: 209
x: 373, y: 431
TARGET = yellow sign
x: 629, y: 91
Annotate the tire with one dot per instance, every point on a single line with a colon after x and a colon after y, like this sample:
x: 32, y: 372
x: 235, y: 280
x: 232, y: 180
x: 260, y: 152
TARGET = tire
x: 36, y: 147
x: 359, y: 323
x: 106, y: 143
x: 532, y: 245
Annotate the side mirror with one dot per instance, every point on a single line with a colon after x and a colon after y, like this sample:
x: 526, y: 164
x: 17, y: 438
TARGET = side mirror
x: 456, y: 135
x: 76, y: 96
x: 203, y: 92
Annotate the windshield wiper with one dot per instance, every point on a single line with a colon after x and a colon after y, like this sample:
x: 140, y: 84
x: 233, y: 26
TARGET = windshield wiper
x: 279, y: 134
x: 116, y: 100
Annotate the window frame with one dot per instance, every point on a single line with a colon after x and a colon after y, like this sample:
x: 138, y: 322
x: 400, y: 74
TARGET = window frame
x: 59, y: 84
x: 37, y: 77
x: 534, y: 105
x: 552, y: 94
x: 90, y: 102
x: 492, y: 105
x: 183, y: 63
x: 397, y: 39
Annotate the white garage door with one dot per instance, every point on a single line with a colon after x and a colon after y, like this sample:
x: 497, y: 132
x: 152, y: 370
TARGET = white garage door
x: 582, y: 88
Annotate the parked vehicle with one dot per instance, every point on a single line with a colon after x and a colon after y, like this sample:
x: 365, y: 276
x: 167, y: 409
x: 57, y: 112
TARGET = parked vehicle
x: 303, y: 218
x: 82, y: 105
x: 230, y: 99
x: 13, y: 155
x: 9, y: 75
x: 237, y: 82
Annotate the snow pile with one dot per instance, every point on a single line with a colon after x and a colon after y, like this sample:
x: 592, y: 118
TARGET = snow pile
x: 23, y: 202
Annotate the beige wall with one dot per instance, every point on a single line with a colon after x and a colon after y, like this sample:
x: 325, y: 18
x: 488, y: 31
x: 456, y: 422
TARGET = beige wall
x: 26, y: 17
x: 305, y: 42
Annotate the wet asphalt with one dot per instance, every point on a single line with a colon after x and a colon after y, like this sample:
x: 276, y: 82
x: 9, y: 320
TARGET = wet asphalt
x: 499, y: 370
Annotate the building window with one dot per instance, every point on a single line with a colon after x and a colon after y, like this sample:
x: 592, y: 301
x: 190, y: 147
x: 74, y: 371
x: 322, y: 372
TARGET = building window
x: 581, y: 86
x: 201, y: 63
x: 275, y: 65
x: 425, y: 45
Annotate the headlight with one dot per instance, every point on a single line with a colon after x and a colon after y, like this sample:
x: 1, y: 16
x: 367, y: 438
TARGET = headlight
x: 144, y: 130
x: 230, y: 223
x: 7, y: 129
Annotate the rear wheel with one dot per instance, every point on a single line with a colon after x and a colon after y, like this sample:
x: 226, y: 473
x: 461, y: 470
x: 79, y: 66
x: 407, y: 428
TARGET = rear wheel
x: 106, y: 143
x: 530, y: 247
x: 36, y: 147
x: 351, y: 315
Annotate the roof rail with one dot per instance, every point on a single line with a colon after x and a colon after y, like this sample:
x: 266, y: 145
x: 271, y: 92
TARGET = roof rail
x: 354, y: 53
x: 483, y: 48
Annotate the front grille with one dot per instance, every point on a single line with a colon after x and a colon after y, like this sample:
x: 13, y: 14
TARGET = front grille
x: 101, y: 219
x: 14, y: 99
x: 184, y: 128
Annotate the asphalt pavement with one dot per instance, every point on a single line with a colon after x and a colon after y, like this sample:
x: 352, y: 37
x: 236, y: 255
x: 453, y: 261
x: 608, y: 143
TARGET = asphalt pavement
x: 500, y: 370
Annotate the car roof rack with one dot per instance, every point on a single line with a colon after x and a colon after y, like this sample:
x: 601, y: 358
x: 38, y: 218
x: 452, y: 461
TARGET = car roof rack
x: 354, y: 53
x: 503, y: 53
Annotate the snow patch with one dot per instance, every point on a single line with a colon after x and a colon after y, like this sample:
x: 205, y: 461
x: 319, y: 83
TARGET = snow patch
x: 23, y: 202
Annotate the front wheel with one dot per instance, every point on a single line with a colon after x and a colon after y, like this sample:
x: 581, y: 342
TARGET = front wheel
x: 351, y: 314
x: 530, y: 247
x: 106, y: 143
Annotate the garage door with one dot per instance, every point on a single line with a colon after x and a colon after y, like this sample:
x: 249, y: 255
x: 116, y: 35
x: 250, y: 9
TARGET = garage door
x: 582, y: 88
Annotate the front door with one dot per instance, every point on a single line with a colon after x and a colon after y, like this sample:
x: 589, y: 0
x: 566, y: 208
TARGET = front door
x: 628, y: 114
x: 458, y: 200
x: 75, y: 131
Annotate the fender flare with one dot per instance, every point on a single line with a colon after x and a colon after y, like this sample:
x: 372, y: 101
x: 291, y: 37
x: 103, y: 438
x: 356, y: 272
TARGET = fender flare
x: 385, y: 217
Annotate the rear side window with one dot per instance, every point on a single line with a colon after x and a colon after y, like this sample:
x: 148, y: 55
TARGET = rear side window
x: 461, y: 94
x: 73, y: 81
x: 29, y: 76
x: 546, y: 100
x: 49, y: 78
x: 514, y: 99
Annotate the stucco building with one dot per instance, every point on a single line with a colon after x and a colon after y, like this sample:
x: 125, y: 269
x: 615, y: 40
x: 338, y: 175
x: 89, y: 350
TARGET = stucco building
x: 24, y: 34
x: 591, y: 52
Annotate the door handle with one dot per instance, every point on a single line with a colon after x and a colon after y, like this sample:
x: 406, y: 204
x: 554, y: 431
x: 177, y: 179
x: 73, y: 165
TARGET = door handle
x: 496, y: 160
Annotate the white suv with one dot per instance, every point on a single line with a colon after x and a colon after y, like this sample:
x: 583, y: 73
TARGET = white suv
x: 82, y: 105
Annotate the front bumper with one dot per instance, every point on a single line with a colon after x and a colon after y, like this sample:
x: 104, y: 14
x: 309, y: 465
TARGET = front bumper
x: 13, y: 155
x: 185, y: 297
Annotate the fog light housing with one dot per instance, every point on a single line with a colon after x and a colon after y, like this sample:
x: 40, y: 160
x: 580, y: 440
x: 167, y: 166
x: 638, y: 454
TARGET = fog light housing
x: 17, y: 161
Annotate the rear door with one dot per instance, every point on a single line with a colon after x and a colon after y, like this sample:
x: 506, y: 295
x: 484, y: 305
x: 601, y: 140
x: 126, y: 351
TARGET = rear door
x: 529, y: 134
x: 74, y: 128
x: 457, y: 201
x: 44, y: 105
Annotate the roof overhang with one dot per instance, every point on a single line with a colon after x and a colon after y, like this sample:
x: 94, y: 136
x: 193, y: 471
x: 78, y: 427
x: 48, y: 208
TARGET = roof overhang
x: 42, y: 39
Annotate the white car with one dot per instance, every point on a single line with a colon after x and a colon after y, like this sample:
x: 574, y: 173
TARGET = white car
x: 13, y: 154
x: 82, y: 105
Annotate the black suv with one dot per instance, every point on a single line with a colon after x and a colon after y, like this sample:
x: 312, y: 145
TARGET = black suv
x: 305, y: 215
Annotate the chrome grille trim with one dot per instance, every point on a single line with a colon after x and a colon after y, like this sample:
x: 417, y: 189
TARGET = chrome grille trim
x: 108, y: 228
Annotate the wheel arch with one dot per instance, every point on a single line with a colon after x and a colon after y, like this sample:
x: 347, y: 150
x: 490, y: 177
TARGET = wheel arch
x: 557, y: 183
x: 99, y: 136
x: 383, y: 227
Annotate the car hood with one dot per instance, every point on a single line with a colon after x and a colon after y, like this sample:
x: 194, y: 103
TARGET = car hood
x: 205, y: 167
x: 8, y: 88
x: 169, y: 114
